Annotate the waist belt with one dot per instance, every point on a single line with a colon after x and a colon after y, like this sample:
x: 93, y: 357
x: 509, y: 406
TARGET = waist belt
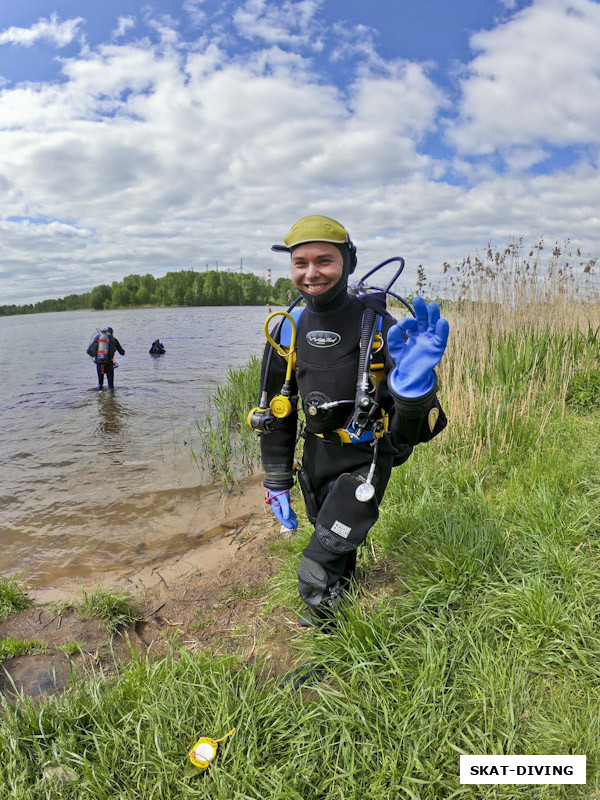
x: 344, y: 436
x: 341, y: 436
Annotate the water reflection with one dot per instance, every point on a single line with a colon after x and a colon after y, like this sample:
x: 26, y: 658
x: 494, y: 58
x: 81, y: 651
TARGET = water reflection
x: 111, y: 415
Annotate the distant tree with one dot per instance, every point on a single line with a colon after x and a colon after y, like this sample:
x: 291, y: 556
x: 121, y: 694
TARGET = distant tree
x: 142, y: 296
x: 76, y: 301
x: 229, y: 292
x: 121, y: 297
x: 283, y: 291
x: 99, y: 295
x: 233, y: 293
x: 182, y: 287
x: 49, y: 305
x: 131, y: 283
x: 173, y: 287
x: 197, y: 289
x: 210, y: 291
x: 161, y: 293
x: 148, y: 282
x: 255, y: 290
x: 177, y: 293
x: 8, y: 311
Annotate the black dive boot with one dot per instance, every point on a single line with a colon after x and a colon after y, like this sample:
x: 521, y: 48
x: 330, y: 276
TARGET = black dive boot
x: 323, y: 614
x: 306, y: 673
x: 320, y: 617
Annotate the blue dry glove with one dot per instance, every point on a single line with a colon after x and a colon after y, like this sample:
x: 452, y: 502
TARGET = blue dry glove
x: 417, y: 356
x: 280, y: 503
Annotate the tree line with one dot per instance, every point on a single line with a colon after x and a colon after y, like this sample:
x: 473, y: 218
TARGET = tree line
x: 185, y: 287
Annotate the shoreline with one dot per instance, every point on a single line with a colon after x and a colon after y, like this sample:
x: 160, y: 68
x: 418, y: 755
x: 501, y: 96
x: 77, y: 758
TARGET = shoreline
x: 194, y: 529
x: 210, y: 595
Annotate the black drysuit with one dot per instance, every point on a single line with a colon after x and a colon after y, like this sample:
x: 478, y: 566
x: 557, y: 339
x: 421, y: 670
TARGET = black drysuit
x: 327, y: 359
x: 106, y: 368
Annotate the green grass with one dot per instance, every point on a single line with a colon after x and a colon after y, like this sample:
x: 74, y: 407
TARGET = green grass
x: 583, y: 393
x: 70, y: 648
x: 486, y: 641
x: 12, y: 597
x: 112, y: 607
x: 225, y: 446
x: 11, y: 648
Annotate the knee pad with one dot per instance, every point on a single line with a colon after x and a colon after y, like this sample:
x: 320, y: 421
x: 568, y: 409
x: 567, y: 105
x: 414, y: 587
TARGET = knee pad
x: 343, y: 521
x: 312, y: 581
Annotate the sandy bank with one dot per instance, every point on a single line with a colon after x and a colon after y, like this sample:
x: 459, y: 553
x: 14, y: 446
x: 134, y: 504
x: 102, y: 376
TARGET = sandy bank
x: 212, y: 594
x: 176, y: 533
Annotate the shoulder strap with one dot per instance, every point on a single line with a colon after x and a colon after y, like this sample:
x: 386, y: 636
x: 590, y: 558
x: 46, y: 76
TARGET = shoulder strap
x: 285, y: 337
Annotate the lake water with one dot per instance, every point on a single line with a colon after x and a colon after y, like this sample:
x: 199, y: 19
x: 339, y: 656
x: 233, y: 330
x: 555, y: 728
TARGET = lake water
x: 91, y: 481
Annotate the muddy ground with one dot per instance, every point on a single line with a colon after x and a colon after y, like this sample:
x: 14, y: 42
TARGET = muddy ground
x: 212, y: 597
x: 216, y: 596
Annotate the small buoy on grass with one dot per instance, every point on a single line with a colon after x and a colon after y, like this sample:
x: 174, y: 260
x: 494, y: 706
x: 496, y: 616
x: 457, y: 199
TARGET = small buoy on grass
x: 205, y: 750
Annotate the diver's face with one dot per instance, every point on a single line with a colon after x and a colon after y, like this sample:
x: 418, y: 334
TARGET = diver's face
x: 316, y: 267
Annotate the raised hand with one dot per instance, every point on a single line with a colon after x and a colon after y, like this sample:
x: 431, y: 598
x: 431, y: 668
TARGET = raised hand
x: 417, y: 345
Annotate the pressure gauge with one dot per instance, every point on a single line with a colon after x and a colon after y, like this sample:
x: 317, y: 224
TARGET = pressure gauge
x: 364, y: 492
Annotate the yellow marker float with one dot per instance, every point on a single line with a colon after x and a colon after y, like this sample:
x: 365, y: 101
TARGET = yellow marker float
x: 205, y: 750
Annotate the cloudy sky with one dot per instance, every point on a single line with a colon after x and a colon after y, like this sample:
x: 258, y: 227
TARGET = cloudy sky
x: 142, y: 137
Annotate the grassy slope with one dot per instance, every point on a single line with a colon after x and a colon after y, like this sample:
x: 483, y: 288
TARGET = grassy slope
x: 484, y: 642
x: 487, y: 644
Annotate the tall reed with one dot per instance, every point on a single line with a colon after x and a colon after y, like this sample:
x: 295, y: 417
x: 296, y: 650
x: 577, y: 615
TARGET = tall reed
x: 521, y: 330
x: 226, y: 447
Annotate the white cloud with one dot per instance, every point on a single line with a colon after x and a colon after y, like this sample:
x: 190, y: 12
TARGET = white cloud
x: 288, y: 23
x: 162, y: 162
x: 51, y: 30
x: 358, y: 40
x: 165, y: 26
x: 146, y: 157
x: 403, y: 98
x: 535, y: 80
x: 194, y: 10
x: 522, y: 158
x: 123, y: 25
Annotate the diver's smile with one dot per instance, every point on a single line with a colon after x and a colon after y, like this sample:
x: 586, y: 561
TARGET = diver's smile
x: 316, y: 288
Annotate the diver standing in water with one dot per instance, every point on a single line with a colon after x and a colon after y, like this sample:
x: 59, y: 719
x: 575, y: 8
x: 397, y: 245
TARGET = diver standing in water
x: 369, y: 394
x: 102, y: 349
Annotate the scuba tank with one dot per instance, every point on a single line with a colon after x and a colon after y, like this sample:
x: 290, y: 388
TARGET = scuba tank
x: 102, y: 356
